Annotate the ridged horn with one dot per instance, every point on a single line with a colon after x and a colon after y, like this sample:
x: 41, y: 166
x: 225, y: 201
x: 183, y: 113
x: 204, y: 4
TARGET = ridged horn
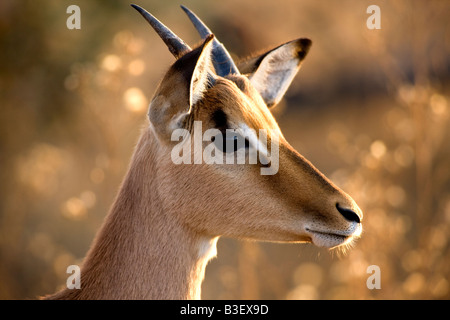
x: 222, y: 61
x: 176, y: 46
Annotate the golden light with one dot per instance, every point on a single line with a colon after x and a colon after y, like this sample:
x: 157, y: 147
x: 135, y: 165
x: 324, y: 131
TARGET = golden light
x: 41, y: 167
x: 136, y: 67
x: 404, y: 155
x: 378, y: 149
x: 74, y: 208
x: 308, y: 273
x: 89, y: 198
x: 135, y: 100
x: 97, y: 175
x: 414, y: 283
x: 303, y: 292
x: 438, y: 104
x: 111, y: 63
x: 395, y: 195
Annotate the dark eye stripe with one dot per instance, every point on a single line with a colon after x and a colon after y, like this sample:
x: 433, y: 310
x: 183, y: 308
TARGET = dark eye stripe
x: 220, y: 120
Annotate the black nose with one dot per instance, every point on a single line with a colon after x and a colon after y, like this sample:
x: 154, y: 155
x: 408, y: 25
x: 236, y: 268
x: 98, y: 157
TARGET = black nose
x: 348, y: 214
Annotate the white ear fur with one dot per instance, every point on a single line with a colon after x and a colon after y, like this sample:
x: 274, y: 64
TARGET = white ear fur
x: 200, y: 79
x: 277, y: 70
x: 168, y: 112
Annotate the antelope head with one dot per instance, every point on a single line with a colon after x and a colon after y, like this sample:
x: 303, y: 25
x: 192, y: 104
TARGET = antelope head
x: 296, y: 203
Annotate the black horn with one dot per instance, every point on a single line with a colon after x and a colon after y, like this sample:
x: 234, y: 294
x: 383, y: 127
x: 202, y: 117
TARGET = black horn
x: 176, y: 46
x: 222, y: 61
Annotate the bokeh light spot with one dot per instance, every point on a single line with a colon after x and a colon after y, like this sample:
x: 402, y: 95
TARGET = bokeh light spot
x: 135, y: 100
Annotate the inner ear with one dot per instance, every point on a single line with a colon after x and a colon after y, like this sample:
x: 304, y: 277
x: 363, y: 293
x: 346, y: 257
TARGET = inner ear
x: 194, y: 70
x: 272, y: 72
x: 201, y: 76
x: 182, y: 87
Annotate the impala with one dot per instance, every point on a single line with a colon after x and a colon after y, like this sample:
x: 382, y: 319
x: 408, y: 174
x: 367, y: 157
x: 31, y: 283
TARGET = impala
x: 164, y: 224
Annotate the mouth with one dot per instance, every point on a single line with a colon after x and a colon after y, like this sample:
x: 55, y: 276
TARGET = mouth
x: 332, y: 239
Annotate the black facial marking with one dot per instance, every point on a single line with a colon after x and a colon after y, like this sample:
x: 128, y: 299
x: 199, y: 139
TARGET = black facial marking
x: 220, y: 120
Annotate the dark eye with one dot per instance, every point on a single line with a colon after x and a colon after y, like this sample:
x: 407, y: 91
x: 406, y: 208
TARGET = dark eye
x: 230, y: 142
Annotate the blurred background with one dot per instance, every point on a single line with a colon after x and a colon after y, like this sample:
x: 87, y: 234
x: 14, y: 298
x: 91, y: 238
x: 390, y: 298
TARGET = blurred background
x: 369, y: 108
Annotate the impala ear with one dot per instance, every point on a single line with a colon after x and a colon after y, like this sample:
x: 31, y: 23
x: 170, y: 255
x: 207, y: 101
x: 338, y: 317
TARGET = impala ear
x: 201, y: 77
x: 182, y: 87
x: 272, y: 72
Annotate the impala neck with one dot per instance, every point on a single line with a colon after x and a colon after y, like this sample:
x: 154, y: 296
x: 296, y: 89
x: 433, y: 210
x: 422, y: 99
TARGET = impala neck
x: 142, y: 252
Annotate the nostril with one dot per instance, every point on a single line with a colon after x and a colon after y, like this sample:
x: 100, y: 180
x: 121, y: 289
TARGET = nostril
x: 348, y: 214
